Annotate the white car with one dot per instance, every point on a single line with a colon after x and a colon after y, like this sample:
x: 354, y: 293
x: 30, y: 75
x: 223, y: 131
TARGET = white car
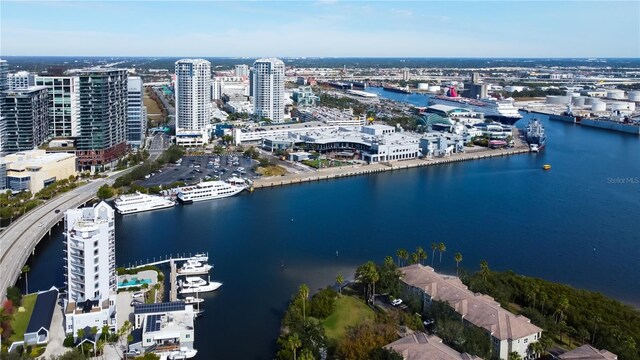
x: 396, y: 302
x: 137, y: 294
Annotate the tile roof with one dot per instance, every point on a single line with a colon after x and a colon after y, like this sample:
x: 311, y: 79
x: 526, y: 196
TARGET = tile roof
x: 588, y: 352
x: 480, y: 310
x: 420, y: 346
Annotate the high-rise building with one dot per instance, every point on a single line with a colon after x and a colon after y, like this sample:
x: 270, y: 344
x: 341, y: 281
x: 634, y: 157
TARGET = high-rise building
x: 268, y: 89
x: 103, y: 117
x: 26, y: 119
x: 193, y: 99
x: 242, y: 70
x: 136, y: 112
x: 21, y: 80
x: 405, y: 74
x: 4, y: 70
x: 216, y: 90
x: 90, y: 266
x: 64, y: 106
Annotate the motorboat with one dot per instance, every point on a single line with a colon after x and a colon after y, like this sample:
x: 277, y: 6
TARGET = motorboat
x: 192, y: 300
x: 200, y: 288
x: 194, y: 267
x: 183, y: 353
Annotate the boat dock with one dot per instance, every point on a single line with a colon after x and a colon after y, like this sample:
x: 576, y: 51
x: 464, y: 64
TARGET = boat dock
x: 345, y: 171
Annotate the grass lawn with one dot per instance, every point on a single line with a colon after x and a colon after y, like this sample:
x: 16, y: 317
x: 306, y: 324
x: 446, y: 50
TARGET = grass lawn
x: 349, y: 311
x: 271, y: 170
x: 21, y: 319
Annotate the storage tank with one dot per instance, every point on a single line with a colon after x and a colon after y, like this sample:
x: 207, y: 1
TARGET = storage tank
x: 572, y: 94
x: 434, y: 88
x: 623, y: 106
x: 615, y: 94
x: 634, y: 95
x: 557, y: 100
x: 598, y: 106
x: 423, y: 86
x: 589, y: 100
x: 578, y: 100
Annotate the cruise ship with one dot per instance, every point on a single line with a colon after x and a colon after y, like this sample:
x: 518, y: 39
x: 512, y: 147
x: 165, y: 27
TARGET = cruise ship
x: 534, y: 135
x: 500, y: 110
x: 207, y: 190
x: 134, y: 203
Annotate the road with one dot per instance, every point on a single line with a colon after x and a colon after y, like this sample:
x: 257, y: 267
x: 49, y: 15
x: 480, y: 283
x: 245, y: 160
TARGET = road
x: 171, y: 111
x: 19, y: 240
x: 158, y: 144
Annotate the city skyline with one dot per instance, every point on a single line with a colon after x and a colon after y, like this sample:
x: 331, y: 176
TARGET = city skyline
x: 322, y: 29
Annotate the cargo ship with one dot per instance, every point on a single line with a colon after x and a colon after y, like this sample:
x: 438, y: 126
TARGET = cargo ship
x: 392, y: 88
x: 534, y: 135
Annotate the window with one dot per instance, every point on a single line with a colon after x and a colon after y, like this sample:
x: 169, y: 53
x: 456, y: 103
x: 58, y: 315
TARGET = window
x: 526, y: 340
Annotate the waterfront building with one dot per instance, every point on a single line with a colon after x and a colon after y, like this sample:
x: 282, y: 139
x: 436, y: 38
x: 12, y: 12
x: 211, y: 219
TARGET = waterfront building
x: 588, y: 352
x: 268, y: 89
x: 34, y: 170
x: 21, y: 80
x: 90, y: 266
x: 242, y: 70
x: 136, y: 112
x: 163, y: 328
x: 4, y: 86
x: 193, y: 101
x: 64, y: 104
x: 304, y: 96
x: 420, y: 346
x: 103, y: 117
x: 441, y: 144
x: 25, y: 119
x: 509, y: 333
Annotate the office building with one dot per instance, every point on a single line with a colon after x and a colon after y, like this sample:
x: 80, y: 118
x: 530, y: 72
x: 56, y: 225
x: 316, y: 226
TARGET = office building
x: 242, y: 71
x: 64, y: 106
x: 25, y: 119
x: 90, y: 267
x: 136, y: 112
x: 193, y: 101
x: 216, y: 90
x: 103, y: 117
x: 4, y: 86
x: 21, y: 80
x: 268, y: 90
x: 35, y: 169
x: 405, y: 74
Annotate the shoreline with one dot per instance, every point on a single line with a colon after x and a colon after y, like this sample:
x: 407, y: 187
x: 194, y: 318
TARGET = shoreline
x: 355, y: 170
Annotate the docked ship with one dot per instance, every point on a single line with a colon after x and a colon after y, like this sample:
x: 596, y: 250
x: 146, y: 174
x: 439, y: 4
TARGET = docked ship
x: 534, y: 135
x: 194, y: 285
x: 398, y: 89
x: 194, y: 267
x: 495, y: 109
x: 207, y: 190
x: 134, y: 203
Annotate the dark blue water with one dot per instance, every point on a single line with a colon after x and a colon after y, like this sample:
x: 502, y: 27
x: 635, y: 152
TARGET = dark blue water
x: 573, y: 224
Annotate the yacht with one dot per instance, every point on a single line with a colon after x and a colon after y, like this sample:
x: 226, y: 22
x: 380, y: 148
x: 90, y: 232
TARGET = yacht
x: 191, y: 300
x: 183, y: 353
x: 207, y: 190
x: 501, y: 110
x: 198, y: 286
x: 134, y: 203
x: 193, y: 282
x: 194, y: 267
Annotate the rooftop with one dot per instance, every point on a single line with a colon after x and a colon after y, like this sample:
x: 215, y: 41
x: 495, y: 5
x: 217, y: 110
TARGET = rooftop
x: 588, y: 352
x: 420, y: 346
x: 43, y: 311
x: 478, y: 309
x: 170, y: 322
x: 33, y: 159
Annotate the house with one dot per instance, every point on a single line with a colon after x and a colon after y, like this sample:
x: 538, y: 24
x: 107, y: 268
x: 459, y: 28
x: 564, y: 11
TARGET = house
x: 509, y: 332
x: 37, y: 332
x: 420, y: 346
x: 163, y: 328
x: 588, y: 352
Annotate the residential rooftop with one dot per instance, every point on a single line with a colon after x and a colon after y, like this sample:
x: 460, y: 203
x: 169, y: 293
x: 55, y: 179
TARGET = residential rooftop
x: 420, y: 346
x: 588, y: 352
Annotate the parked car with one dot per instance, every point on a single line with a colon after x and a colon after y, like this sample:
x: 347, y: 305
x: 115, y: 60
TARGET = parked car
x: 137, y: 294
x: 135, y: 302
x: 396, y: 302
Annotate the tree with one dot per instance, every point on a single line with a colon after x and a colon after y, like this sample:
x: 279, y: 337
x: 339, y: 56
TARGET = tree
x: 458, y: 258
x: 434, y: 247
x: 404, y: 255
x: 514, y: 355
x: 94, y: 332
x: 156, y: 287
x: 368, y: 275
x: 422, y: 255
x: 339, y: 280
x: 534, y: 349
x: 25, y: 270
x: 304, y: 294
x: 293, y: 343
x: 596, y: 320
x: 415, y: 258
x: 543, y: 297
x: 484, y: 269
x: 81, y: 334
x: 306, y: 354
x: 441, y: 248
x: 561, y: 307
x: 105, y: 192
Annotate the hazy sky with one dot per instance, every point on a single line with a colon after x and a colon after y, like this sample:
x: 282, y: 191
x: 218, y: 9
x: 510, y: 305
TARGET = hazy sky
x: 322, y: 28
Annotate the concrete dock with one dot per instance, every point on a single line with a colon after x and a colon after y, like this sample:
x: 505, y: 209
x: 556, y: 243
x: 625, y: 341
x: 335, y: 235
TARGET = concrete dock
x: 344, y: 171
x: 173, y: 293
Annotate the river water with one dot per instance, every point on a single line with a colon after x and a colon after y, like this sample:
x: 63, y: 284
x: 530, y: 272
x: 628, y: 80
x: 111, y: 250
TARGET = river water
x: 576, y: 224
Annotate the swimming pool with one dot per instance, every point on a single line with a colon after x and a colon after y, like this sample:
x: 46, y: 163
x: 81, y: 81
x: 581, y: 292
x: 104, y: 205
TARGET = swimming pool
x: 133, y: 282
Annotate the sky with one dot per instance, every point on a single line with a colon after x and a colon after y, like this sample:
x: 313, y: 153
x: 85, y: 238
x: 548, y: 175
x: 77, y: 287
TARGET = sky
x: 324, y: 28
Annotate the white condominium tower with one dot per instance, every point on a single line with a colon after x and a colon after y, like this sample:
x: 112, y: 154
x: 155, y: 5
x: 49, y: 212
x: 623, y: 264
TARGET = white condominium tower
x: 193, y: 94
x: 268, y: 89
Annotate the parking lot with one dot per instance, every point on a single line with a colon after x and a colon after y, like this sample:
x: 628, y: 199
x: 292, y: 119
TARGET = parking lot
x: 192, y: 169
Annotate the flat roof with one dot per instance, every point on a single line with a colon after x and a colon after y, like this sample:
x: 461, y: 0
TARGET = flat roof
x: 158, y: 307
x: 43, y: 311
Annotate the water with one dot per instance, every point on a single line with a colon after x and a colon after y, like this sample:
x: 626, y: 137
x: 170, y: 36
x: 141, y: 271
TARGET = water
x: 575, y: 224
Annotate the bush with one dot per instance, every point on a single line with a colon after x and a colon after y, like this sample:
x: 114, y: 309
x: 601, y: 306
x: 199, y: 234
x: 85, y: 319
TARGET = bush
x: 323, y: 303
x: 14, y: 294
x: 68, y: 341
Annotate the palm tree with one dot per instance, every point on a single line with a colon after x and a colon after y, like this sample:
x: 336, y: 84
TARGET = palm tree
x: 415, y: 258
x: 561, y: 307
x: 484, y: 269
x: 94, y: 332
x: 442, y: 248
x: 534, y: 291
x: 543, y: 297
x: 596, y: 320
x: 404, y: 256
x: 156, y: 287
x: 306, y: 354
x: 293, y: 342
x: 339, y: 280
x: 434, y: 247
x: 399, y: 255
x: 458, y: 258
x: 422, y: 255
x: 535, y: 349
x: 514, y: 355
x: 304, y: 294
x: 81, y: 336
x: 25, y: 270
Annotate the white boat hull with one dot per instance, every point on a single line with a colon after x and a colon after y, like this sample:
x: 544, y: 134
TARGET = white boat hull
x: 212, y: 286
x: 126, y: 211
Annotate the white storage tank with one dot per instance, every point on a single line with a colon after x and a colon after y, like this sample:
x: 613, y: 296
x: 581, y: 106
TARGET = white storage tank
x: 578, y: 100
x: 589, y: 100
x: 634, y: 95
x: 434, y: 88
x: 623, y: 106
x: 615, y: 94
x: 557, y: 100
x: 423, y: 86
x: 598, y: 106
x: 572, y: 94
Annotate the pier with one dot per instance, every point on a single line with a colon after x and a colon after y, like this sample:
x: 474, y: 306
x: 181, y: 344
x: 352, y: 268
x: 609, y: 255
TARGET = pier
x: 346, y: 171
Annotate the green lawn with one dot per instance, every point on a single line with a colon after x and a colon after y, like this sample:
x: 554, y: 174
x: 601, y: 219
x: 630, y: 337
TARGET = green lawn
x: 21, y: 319
x: 349, y: 311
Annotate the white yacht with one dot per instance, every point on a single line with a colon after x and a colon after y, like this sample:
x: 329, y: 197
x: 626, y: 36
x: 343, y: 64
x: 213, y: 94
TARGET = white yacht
x: 194, y: 285
x: 495, y: 109
x: 207, y: 190
x: 183, y: 353
x: 194, y: 267
x: 192, y: 300
x: 134, y: 203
